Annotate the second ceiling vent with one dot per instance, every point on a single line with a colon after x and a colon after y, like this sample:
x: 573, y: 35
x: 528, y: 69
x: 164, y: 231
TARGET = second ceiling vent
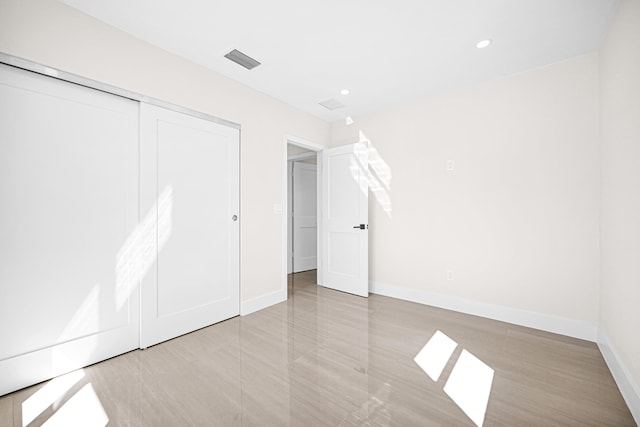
x: 331, y: 104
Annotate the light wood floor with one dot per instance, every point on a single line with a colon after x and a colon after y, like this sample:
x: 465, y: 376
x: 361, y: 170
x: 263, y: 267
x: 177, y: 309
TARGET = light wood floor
x: 329, y: 358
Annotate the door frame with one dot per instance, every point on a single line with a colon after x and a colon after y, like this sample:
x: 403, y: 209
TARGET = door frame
x: 312, y: 146
x: 290, y: 161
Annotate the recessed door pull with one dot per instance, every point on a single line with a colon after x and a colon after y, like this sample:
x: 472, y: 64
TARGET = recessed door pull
x: 235, y: 217
x: 361, y: 226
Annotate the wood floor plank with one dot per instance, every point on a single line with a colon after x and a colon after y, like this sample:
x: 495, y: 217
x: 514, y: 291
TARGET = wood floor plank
x: 326, y: 358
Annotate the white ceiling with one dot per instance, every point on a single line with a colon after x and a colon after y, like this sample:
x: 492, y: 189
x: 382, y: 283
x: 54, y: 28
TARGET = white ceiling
x: 385, y: 52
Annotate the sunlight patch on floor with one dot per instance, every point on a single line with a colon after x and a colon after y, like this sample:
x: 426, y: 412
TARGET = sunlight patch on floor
x: 469, y: 385
x: 83, y: 409
x: 48, y: 395
x: 435, y: 354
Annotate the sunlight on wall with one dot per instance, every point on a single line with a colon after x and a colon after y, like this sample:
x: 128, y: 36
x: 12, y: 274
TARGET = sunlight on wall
x: 85, y: 319
x: 83, y: 409
x: 435, y: 354
x: 138, y: 253
x: 133, y: 261
x: 84, y: 324
x: 372, y: 173
x: 379, y: 176
x: 50, y: 394
x: 468, y: 385
x: 358, y: 166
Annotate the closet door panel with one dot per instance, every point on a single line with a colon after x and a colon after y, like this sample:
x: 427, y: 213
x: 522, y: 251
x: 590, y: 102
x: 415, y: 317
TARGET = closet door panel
x: 190, y: 170
x: 195, y: 256
x: 69, y: 207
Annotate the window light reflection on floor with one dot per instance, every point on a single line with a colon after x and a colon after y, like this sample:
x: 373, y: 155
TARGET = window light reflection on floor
x: 83, y: 409
x: 469, y: 385
x: 52, y: 392
x: 435, y: 354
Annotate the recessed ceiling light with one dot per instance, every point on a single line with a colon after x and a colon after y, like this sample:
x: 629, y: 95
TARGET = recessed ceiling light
x: 483, y: 43
x: 344, y: 92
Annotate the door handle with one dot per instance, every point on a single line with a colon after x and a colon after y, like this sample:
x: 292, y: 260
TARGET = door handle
x: 361, y: 226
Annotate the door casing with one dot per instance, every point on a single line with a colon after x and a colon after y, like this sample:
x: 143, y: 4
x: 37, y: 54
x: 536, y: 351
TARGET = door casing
x: 312, y: 146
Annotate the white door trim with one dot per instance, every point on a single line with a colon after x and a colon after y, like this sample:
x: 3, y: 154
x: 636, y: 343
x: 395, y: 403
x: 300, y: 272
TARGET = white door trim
x: 300, y: 142
x: 302, y: 156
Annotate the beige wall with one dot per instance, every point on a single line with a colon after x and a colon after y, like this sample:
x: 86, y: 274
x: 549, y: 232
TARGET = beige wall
x: 55, y: 35
x: 620, y: 113
x: 517, y: 219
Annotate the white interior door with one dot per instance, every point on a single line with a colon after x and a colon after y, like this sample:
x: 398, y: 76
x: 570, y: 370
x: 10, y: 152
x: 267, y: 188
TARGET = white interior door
x: 345, y: 235
x: 190, y: 194
x: 69, y: 209
x: 305, y: 217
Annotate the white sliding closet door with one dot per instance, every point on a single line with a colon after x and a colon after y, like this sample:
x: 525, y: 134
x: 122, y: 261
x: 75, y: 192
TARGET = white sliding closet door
x: 68, y: 211
x: 190, y: 197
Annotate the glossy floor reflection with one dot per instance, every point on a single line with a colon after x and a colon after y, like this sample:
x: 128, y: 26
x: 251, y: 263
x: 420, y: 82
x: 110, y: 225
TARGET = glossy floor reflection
x: 329, y: 358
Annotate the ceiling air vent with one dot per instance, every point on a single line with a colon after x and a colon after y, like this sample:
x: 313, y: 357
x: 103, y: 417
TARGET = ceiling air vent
x: 332, y: 104
x: 241, y: 59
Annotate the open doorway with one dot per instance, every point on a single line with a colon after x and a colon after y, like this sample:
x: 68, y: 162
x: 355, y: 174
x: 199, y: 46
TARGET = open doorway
x: 302, y: 215
x: 302, y: 252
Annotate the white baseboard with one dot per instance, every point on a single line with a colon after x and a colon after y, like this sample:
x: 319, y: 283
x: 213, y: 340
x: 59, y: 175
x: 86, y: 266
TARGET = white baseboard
x: 559, y: 325
x: 628, y: 387
x: 258, y: 303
